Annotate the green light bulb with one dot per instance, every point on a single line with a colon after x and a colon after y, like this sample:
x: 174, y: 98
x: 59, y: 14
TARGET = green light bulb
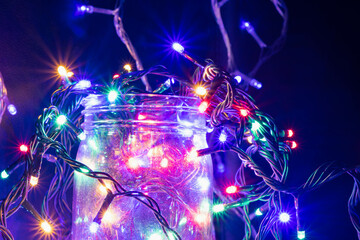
x: 112, y: 96
x: 301, y: 234
x: 4, y: 174
x: 218, y: 208
x: 61, y: 120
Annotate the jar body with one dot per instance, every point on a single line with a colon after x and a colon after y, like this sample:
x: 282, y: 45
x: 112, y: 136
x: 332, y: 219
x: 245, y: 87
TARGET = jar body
x: 147, y: 143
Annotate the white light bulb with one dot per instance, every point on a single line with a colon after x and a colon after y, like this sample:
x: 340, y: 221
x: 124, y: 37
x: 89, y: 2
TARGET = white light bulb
x: 12, y: 109
x: 177, y: 47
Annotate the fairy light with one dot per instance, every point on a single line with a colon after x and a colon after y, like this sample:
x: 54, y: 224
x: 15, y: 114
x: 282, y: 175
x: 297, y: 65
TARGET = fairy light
x: 46, y: 227
x: 178, y: 47
x: 23, y: 148
x: 82, y: 136
x: 62, y: 71
x: 238, y: 78
x: 4, y: 174
x: 284, y: 217
x: 94, y: 226
x: 164, y: 163
x: 301, y: 234
x: 244, y: 112
x: 34, y: 181
x: 255, y: 126
x: 203, y: 106
x: 127, y: 67
x: 203, y: 183
x: 141, y: 117
x: 290, y: 133
x: 61, y: 120
x: 223, y: 137
x: 12, y: 109
x: 200, y: 91
x: 231, y: 189
x: 183, y: 221
x: 69, y: 74
x: 115, y: 76
x: 133, y: 163
x: 200, y: 218
x: 155, y: 236
x: 258, y: 212
x: 192, y: 155
x: 112, y: 96
x: 250, y: 139
x: 82, y: 84
x: 218, y: 208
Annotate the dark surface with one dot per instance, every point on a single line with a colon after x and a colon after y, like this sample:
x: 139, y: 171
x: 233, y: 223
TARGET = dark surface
x: 310, y: 86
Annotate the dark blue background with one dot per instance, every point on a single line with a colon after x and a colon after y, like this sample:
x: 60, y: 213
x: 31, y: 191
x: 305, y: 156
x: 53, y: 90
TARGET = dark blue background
x: 310, y: 86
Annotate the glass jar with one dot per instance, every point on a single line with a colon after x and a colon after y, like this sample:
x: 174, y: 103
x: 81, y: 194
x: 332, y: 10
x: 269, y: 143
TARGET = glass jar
x: 147, y: 142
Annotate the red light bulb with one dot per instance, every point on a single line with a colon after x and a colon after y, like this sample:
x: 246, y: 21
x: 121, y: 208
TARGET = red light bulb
x: 231, y: 189
x: 244, y: 112
x: 116, y: 76
x: 23, y: 148
x: 290, y: 133
x: 203, y: 106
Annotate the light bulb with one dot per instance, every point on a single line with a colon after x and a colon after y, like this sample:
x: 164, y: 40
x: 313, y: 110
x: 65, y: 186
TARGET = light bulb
x: 112, y: 96
x: 200, y: 90
x: 62, y: 71
x: 4, y: 174
x: 218, y: 208
x: 12, y: 109
x: 203, y: 106
x: 177, y: 47
x: 127, y: 67
x: 23, y: 148
x: 46, y: 227
x: 61, y: 120
x: 231, y: 189
x: 34, y: 181
x: 284, y: 217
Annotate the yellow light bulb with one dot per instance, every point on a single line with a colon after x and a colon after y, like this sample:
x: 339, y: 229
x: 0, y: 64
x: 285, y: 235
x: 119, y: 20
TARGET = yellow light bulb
x: 33, y: 181
x: 62, y: 71
x: 46, y: 227
x: 127, y: 67
x: 200, y: 90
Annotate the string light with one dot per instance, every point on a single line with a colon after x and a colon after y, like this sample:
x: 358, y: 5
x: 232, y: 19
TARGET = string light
x: 115, y: 76
x: 203, y: 106
x: 231, y: 189
x: 218, y: 208
x: 164, y: 163
x: 61, y: 120
x: 12, y: 109
x: 301, y: 234
x: 4, y: 174
x: 23, y: 148
x: 223, y: 137
x: 238, y: 78
x: 94, y: 226
x: 62, y: 71
x: 284, y: 217
x: 200, y: 91
x: 112, y: 96
x: 33, y: 181
x: 290, y: 133
x: 127, y: 67
x: 244, y: 112
x: 46, y: 227
x: 178, y: 47
x: 82, y: 84
x: 258, y: 212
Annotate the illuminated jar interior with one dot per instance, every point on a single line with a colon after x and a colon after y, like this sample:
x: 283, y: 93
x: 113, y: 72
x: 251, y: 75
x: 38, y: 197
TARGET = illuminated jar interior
x: 147, y: 142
